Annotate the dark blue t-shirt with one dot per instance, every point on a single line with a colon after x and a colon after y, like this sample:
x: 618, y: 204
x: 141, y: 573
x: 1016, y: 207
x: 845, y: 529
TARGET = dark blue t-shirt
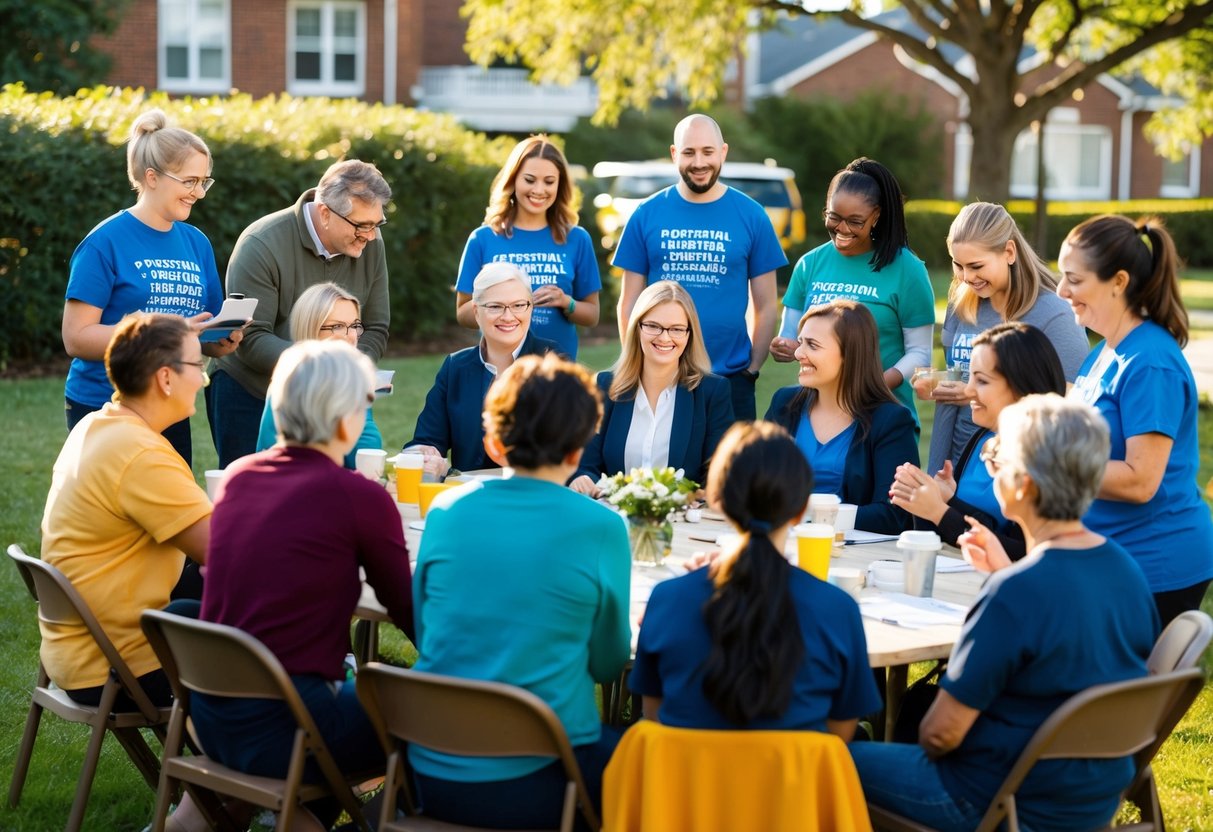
x: 828, y: 460
x: 834, y: 680
x: 1041, y: 630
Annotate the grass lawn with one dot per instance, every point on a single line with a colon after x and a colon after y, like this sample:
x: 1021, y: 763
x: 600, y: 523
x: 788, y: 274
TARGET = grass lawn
x: 31, y: 432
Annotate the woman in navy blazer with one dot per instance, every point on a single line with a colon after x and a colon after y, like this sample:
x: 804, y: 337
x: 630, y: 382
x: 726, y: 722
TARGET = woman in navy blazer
x: 451, y: 418
x: 661, y: 404
x: 845, y: 420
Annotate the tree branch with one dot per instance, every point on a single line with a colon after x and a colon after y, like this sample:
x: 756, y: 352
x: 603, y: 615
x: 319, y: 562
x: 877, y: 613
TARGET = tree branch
x: 916, y: 48
x: 1017, y: 22
x: 1076, y: 20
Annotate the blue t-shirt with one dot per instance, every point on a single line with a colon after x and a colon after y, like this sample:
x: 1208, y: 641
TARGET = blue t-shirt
x: 829, y: 460
x: 834, y: 680
x: 1041, y: 630
x: 713, y: 249
x: 572, y: 266
x: 1145, y: 386
x: 125, y: 266
x: 526, y: 582
x: 899, y: 295
x: 976, y: 486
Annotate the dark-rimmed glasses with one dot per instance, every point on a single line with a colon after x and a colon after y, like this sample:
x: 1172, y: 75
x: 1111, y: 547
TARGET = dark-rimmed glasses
x: 360, y: 228
x: 856, y: 225
x: 654, y: 329
x: 340, y: 329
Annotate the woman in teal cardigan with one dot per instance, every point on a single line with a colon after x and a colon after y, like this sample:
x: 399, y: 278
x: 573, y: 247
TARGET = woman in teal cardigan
x: 843, y: 417
x: 661, y: 404
x: 322, y: 312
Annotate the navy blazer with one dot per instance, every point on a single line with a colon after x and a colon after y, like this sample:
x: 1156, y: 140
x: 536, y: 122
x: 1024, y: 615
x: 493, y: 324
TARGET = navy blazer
x: 701, y: 416
x: 872, y: 460
x: 451, y: 419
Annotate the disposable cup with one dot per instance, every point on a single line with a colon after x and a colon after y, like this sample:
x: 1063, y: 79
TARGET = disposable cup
x: 427, y: 491
x: 813, y: 543
x: 823, y: 508
x: 919, y: 550
x: 844, y: 522
x: 847, y: 578
x: 408, y: 476
x: 370, y: 463
x: 213, y: 478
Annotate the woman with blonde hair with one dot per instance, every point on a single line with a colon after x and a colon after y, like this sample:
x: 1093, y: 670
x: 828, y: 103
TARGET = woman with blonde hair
x: 843, y: 416
x: 143, y: 259
x: 324, y: 312
x: 531, y: 220
x: 661, y: 403
x: 996, y: 277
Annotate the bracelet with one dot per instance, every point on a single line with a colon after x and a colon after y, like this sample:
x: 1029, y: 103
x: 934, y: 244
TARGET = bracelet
x: 572, y: 306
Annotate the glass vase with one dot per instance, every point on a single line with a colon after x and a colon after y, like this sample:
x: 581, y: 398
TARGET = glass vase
x: 651, y: 539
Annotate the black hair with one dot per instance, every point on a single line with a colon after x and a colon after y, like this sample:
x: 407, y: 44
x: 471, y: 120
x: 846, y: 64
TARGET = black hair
x: 1026, y: 358
x: 878, y: 186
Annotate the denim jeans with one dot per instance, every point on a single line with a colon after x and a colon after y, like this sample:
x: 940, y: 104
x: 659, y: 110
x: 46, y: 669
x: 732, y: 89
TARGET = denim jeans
x: 899, y: 777
x: 177, y: 434
x: 235, y: 417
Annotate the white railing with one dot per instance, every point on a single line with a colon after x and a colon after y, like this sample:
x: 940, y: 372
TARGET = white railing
x: 504, y: 99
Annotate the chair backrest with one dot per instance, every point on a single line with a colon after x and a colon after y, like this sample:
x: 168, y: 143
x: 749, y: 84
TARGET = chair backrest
x: 1182, y: 643
x: 465, y: 717
x: 60, y: 603
x: 1104, y: 722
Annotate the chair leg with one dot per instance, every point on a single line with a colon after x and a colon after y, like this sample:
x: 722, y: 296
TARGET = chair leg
x: 1145, y: 797
x: 92, y: 756
x: 25, y: 753
x: 141, y: 755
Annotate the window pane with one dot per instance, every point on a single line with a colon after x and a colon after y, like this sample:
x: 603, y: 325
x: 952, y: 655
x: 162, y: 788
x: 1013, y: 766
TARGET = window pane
x: 1177, y: 174
x: 177, y: 62
x: 307, y: 66
x: 210, y: 63
x: 345, y: 23
x: 344, y: 68
x: 307, y: 23
x: 210, y: 9
x: 1091, y: 161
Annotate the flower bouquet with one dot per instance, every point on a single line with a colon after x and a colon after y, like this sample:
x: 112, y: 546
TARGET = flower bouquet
x: 647, y: 497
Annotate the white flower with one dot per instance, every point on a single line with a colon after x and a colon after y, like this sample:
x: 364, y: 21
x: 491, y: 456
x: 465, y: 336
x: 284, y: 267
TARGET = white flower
x: 660, y: 490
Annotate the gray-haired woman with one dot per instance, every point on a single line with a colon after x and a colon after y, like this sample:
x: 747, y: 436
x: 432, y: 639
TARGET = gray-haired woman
x: 1074, y: 613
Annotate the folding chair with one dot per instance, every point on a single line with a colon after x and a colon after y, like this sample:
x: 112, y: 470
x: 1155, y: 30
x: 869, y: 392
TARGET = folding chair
x: 466, y: 717
x: 202, y: 657
x: 1102, y: 722
x: 60, y: 603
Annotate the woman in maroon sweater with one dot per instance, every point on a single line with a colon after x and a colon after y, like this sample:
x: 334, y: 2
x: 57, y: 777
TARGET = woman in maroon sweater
x: 290, y: 530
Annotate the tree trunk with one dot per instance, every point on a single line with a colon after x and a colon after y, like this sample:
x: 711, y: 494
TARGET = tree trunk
x: 994, y: 129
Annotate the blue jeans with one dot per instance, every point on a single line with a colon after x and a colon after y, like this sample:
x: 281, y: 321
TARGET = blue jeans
x: 178, y: 434
x: 741, y: 386
x: 899, y: 777
x: 235, y: 417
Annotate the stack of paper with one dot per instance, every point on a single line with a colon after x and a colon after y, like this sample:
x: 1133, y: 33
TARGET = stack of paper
x: 910, y: 611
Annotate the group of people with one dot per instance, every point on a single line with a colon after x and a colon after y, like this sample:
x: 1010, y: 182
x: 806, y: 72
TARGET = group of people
x: 1069, y: 473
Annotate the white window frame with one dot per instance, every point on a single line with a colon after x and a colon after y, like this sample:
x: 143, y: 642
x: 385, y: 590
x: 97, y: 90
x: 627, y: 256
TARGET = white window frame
x: 194, y: 83
x: 326, y: 85
x: 1053, y: 129
x: 1192, y: 189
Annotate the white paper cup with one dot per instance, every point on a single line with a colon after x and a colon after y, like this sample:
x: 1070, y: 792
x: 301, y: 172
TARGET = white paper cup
x: 847, y: 578
x: 845, y: 521
x: 369, y: 462
x: 213, y: 478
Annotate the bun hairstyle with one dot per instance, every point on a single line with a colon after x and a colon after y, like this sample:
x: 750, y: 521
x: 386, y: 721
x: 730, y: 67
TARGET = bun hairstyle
x: 1112, y: 243
x: 153, y: 144
x: 761, y: 482
x: 877, y: 185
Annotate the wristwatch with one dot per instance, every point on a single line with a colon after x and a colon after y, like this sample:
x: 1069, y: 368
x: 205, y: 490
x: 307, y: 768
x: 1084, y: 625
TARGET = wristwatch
x: 748, y: 373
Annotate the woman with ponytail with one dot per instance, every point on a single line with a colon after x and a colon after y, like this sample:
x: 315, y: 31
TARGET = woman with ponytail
x: 752, y: 642
x: 867, y: 259
x: 1122, y: 280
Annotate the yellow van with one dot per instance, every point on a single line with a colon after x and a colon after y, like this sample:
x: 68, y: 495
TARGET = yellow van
x: 772, y: 187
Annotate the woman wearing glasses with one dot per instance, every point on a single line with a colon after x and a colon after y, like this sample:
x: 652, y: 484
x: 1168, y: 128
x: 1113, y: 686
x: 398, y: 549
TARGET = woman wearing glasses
x: 843, y: 417
x: 1008, y: 361
x: 324, y: 312
x: 450, y: 421
x: 868, y: 260
x: 661, y: 404
x: 144, y: 258
x: 531, y: 221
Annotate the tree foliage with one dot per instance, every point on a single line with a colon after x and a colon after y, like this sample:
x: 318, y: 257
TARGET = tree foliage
x: 46, y: 43
x: 639, y: 50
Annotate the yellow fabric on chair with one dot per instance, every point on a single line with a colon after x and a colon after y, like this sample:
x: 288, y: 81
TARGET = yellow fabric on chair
x: 672, y: 779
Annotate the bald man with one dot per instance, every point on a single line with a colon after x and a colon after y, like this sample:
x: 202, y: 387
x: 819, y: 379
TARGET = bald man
x: 720, y: 245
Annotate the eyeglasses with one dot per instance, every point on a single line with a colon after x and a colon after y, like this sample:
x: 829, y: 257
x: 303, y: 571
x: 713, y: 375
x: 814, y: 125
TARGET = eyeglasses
x: 654, y: 329
x: 340, y: 329
x: 496, y: 310
x: 834, y: 220
x: 192, y: 183
x: 201, y: 365
x: 361, y: 228
x: 989, y: 455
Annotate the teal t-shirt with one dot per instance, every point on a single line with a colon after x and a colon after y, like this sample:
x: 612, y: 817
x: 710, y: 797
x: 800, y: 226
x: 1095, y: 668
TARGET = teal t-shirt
x: 899, y: 296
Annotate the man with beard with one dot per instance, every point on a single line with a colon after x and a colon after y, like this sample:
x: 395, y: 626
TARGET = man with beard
x: 720, y: 245
x: 331, y: 234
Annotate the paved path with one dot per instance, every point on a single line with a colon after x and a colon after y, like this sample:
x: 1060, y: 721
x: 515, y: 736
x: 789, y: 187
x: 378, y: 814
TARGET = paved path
x: 1199, y: 351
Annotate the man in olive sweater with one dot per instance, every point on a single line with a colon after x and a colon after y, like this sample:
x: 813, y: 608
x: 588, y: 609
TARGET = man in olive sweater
x: 331, y: 234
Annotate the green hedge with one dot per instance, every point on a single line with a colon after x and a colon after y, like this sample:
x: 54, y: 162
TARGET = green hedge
x: 65, y: 171
x: 1188, y: 221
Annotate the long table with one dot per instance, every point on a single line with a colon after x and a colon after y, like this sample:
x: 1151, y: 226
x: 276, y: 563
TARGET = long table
x: 890, y: 646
